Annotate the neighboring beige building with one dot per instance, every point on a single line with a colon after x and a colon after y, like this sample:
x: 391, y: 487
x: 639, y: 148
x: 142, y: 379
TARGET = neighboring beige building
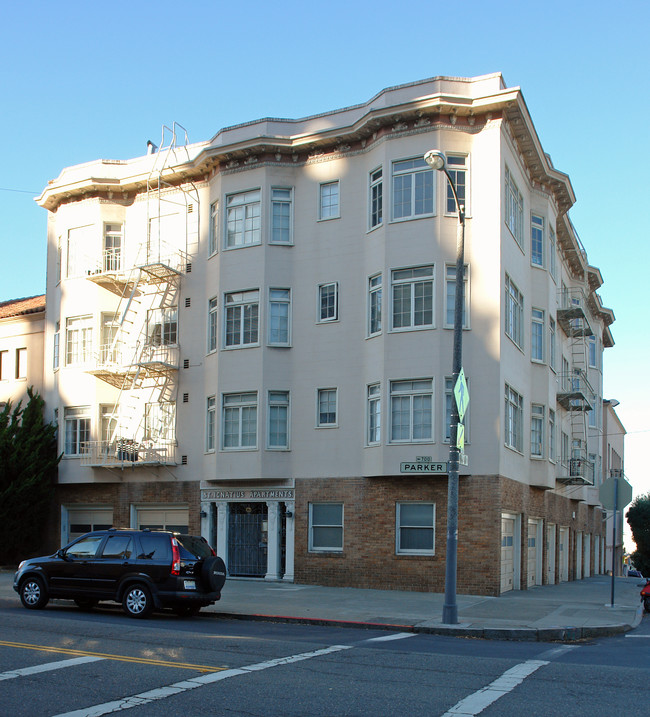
x: 22, y: 328
x: 252, y: 337
x: 613, y: 433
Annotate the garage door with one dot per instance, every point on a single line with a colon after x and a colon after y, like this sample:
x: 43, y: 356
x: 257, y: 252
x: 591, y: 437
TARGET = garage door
x: 507, y: 553
x: 173, y: 518
x: 533, y: 553
x: 564, y: 554
x: 82, y: 521
x: 550, y: 554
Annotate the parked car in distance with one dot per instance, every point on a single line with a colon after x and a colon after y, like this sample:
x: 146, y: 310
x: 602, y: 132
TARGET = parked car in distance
x: 141, y: 569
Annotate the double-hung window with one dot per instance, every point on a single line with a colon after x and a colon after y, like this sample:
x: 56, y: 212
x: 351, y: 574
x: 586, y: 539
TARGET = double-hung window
x: 514, y: 313
x: 243, y: 226
x: 327, y: 407
x: 457, y: 167
x: 537, y: 333
x: 160, y: 422
x: 537, y: 240
x: 78, y: 259
x: 242, y: 318
x: 537, y: 420
x: 514, y: 419
x: 416, y: 528
x: 413, y: 193
x: 210, y: 423
x: 552, y: 343
x: 329, y: 207
x: 77, y: 430
x: 552, y: 252
x: 281, y: 215
x: 279, y: 317
x: 374, y: 414
x: 162, y: 327
x: 514, y: 202
x: 78, y: 340
x: 239, y: 420
x: 326, y: 527
x: 328, y: 302
x: 412, y: 298
x: 552, y: 449
x: 278, y: 420
x: 213, y: 236
x: 376, y: 198
x: 411, y: 407
x: 592, y: 344
x: 374, y: 305
x: 112, y: 247
x: 450, y: 296
x: 212, y: 325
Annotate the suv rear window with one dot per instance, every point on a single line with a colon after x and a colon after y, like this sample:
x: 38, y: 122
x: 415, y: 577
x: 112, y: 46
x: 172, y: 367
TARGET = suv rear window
x: 155, y: 547
x: 193, y: 546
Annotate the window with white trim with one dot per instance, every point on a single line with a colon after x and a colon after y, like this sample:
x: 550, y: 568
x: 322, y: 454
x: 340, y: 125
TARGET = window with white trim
x: 592, y: 345
x: 552, y: 448
x: 162, y: 326
x: 213, y: 236
x: 79, y: 260
x: 376, y: 197
x: 413, y: 189
x: 281, y: 215
x: 327, y: 407
x: 239, y: 420
x: 77, y: 430
x: 78, y: 340
x: 537, y: 333
x: 537, y: 420
x: 514, y: 208
x: 210, y: 423
x: 242, y: 318
x: 55, y: 349
x: 374, y: 414
x: 552, y: 252
x: 160, y: 422
x: 212, y: 324
x: 450, y: 296
x: 412, y: 298
x: 564, y: 457
x: 243, y: 219
x: 279, y: 317
x: 552, y: 347
x: 4, y: 365
x: 416, y: 528
x: 112, y: 260
x: 514, y: 419
x: 374, y: 305
x: 411, y: 411
x: 326, y: 527
x: 328, y: 302
x: 278, y: 421
x: 514, y: 313
x: 457, y: 167
x: 537, y: 240
x: 329, y: 200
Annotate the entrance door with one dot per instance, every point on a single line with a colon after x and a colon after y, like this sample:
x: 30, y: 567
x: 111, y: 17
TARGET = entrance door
x: 248, y: 540
x: 550, y: 554
x: 507, y: 553
x: 564, y: 554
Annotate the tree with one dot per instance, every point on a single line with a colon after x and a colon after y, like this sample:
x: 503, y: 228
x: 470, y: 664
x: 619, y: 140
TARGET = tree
x: 638, y: 518
x: 28, y: 466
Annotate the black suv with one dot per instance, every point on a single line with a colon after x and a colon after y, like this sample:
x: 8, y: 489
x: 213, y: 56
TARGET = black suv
x: 142, y: 569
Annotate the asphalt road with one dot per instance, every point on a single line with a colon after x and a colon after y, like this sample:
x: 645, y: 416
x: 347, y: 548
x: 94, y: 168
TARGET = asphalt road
x: 61, y: 661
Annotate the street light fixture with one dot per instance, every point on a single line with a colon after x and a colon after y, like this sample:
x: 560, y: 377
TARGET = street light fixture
x: 436, y: 160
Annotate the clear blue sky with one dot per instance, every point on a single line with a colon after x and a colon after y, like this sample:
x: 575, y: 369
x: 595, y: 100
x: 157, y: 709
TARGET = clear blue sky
x: 84, y: 80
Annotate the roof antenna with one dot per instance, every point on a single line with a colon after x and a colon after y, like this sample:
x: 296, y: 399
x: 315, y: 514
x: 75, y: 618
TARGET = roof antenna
x: 151, y: 147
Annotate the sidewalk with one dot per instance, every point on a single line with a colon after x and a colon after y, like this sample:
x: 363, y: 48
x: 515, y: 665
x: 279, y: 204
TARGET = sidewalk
x: 568, y: 611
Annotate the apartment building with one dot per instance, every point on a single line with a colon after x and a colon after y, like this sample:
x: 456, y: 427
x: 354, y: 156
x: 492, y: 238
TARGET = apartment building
x: 251, y: 337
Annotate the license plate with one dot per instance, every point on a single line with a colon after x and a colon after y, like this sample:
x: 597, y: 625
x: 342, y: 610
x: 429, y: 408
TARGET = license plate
x: 189, y: 584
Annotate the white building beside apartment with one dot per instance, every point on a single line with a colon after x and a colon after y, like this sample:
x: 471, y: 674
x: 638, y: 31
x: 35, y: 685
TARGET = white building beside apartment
x: 251, y: 337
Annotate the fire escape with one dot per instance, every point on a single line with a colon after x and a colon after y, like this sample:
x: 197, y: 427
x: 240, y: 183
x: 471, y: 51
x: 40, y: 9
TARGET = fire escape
x: 575, y: 393
x: 140, y: 352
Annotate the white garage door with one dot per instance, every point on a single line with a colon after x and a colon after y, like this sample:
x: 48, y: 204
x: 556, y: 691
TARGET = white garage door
x: 82, y: 521
x: 564, y: 554
x: 172, y: 518
x: 550, y: 554
x: 533, y: 553
x: 507, y: 553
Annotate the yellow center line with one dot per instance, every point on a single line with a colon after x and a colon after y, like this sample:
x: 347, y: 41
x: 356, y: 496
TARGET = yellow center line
x: 119, y: 658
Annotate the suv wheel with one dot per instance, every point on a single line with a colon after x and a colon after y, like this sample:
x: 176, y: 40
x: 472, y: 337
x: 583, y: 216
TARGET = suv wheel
x: 214, y: 573
x: 33, y: 594
x: 137, y: 601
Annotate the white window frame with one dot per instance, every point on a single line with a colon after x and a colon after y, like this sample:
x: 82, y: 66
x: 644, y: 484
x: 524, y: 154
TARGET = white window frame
x: 56, y: 349
x: 404, y: 523
x: 160, y: 422
x: 537, y: 240
x: 376, y: 198
x: 592, y: 351
x: 278, y: 413
x: 210, y: 424
x: 243, y: 225
x: 552, y: 251
x: 77, y: 430
x: 213, y: 325
x: 410, y: 393
x: 80, y: 246
x: 514, y: 419
x: 243, y: 407
x: 459, y: 172
x: 409, y: 178
x: 552, y: 348
x: 537, y: 335
x: 417, y: 279
x: 373, y: 414
x: 514, y: 208
x: 514, y: 313
x: 328, y: 311
x: 113, y: 246
x: 375, y: 305
x: 162, y: 326
x: 329, y: 200
x: 279, y: 319
x: 78, y: 340
x: 281, y: 215
x: 241, y: 325
x: 552, y: 436
x: 327, y: 398
x: 450, y: 296
x: 333, y: 524
x: 537, y: 424
x: 213, y: 236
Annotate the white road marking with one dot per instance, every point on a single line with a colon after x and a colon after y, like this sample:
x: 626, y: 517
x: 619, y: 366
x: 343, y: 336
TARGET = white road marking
x: 643, y: 637
x: 386, y: 638
x: 478, y: 701
x: 35, y: 669
x: 178, y: 687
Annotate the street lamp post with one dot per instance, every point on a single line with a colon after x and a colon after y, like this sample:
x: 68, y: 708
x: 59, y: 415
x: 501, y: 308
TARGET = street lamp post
x: 436, y: 160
